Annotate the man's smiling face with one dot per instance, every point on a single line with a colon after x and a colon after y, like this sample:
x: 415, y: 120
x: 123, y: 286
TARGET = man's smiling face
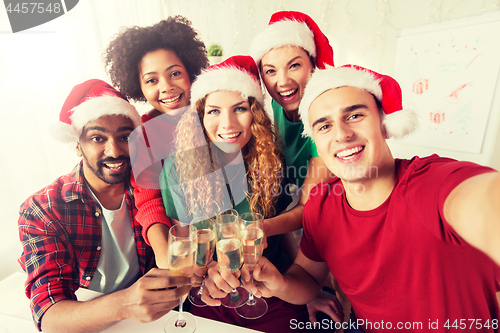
x: 104, y: 147
x: 347, y: 130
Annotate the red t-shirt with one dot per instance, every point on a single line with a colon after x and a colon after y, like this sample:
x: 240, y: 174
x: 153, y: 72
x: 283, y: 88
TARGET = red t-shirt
x: 401, y: 264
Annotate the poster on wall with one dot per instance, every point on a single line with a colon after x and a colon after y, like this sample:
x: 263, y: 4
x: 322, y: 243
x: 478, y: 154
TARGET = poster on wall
x: 448, y: 72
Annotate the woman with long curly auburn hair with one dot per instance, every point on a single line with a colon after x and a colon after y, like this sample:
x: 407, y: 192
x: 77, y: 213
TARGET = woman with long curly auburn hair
x: 261, y: 155
x: 156, y: 64
x: 228, y: 157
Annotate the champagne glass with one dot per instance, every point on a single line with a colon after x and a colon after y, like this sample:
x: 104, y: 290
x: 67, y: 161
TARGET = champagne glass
x: 229, y: 254
x: 182, y: 246
x: 252, y: 238
x: 207, y: 236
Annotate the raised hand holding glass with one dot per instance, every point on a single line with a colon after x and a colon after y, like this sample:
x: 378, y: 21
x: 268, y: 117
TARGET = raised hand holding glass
x: 182, y: 248
x: 252, y: 238
x: 206, y: 239
x: 229, y: 254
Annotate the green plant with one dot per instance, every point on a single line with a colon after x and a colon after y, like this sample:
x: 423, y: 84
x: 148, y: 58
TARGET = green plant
x: 214, y: 50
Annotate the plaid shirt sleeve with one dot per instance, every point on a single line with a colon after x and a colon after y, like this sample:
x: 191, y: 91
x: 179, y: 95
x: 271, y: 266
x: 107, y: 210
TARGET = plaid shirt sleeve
x: 45, y: 257
x: 58, y: 232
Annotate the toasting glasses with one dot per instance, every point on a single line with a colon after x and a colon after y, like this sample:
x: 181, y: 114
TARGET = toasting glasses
x: 182, y: 246
x: 229, y: 254
x: 252, y: 238
x: 206, y: 238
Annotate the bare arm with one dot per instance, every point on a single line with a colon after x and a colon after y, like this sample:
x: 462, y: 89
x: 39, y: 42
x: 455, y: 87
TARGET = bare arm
x: 473, y: 210
x: 299, y: 285
x: 290, y: 244
x: 317, y: 172
x: 146, y: 300
x: 291, y: 220
x: 286, y: 222
x: 158, y: 236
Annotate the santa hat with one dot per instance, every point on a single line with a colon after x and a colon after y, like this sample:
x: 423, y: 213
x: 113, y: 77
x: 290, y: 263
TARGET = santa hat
x: 89, y: 101
x: 288, y: 28
x: 237, y: 73
x: 398, y: 123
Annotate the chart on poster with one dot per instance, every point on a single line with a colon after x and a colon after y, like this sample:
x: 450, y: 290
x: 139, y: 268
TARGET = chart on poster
x: 448, y: 73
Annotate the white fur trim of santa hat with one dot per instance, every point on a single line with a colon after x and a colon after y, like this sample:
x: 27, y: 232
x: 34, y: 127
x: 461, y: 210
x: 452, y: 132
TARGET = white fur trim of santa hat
x: 283, y: 33
x: 230, y: 78
x: 92, y: 109
x: 397, y: 122
x: 88, y: 101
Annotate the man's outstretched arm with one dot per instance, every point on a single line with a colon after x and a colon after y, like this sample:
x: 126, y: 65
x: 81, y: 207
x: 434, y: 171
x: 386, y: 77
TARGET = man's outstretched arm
x: 473, y: 210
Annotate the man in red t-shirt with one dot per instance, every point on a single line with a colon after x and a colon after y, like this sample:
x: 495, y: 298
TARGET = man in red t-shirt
x: 414, y: 244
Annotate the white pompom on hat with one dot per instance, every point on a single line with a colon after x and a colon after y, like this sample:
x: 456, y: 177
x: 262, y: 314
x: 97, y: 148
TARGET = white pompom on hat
x: 237, y: 73
x: 89, y: 101
x: 289, y: 28
x: 397, y: 122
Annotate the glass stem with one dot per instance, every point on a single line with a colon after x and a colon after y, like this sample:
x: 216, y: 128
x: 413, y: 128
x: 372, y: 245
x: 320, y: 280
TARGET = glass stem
x: 251, y: 301
x: 181, y: 317
x: 200, y: 291
x: 180, y: 322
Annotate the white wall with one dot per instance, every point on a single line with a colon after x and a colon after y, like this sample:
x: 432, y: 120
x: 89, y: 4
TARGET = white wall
x: 38, y: 69
x: 40, y: 66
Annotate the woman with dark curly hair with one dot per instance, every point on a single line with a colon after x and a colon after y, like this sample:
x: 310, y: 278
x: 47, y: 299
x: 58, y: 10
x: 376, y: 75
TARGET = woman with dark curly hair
x: 156, y: 64
x: 228, y: 157
x: 126, y: 53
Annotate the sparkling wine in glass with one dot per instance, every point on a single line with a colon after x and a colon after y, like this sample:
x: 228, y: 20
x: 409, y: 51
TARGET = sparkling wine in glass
x: 182, y: 248
x: 206, y: 239
x: 252, y: 238
x: 230, y: 254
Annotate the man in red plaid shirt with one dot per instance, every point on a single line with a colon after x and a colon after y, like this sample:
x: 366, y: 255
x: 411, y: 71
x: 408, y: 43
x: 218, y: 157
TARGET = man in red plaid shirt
x: 80, y: 230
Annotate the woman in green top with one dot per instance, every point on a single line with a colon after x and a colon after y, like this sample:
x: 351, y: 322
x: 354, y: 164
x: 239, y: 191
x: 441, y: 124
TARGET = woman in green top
x: 228, y: 157
x: 287, y: 52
